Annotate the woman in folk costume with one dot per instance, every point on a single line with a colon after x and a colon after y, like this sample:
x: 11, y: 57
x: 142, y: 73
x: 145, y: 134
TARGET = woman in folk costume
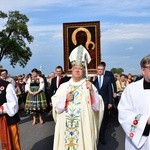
x: 77, y: 108
x: 9, y: 118
x: 134, y: 110
x: 36, y: 100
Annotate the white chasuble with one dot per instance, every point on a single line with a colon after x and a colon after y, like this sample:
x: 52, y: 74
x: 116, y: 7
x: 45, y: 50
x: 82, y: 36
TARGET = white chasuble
x: 78, y: 122
x: 134, y: 111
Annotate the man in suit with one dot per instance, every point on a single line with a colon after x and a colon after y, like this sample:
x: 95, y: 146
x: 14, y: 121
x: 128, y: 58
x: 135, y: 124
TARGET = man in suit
x: 113, y: 80
x: 56, y: 81
x: 114, y: 110
x: 104, y: 87
x: 64, y: 78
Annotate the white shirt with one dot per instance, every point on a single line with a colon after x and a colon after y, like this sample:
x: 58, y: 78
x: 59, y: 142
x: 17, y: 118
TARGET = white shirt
x: 102, y: 78
x: 11, y: 106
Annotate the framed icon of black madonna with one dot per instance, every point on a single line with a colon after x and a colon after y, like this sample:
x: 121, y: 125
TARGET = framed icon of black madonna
x: 86, y: 34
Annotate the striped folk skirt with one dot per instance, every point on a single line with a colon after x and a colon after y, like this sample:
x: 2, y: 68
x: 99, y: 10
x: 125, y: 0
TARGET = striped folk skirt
x: 35, y: 103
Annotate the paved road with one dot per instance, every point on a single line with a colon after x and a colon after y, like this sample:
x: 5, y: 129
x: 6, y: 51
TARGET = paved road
x: 40, y: 137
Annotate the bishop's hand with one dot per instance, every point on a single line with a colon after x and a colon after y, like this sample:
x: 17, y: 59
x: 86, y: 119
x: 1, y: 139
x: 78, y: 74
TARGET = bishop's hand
x: 69, y: 96
x: 89, y: 85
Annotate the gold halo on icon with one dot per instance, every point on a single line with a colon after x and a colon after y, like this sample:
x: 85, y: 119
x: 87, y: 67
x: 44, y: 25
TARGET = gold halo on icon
x: 74, y: 40
x: 88, y: 43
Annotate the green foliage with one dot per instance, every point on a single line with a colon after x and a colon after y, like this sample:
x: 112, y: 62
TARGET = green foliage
x: 13, y: 38
x: 117, y: 70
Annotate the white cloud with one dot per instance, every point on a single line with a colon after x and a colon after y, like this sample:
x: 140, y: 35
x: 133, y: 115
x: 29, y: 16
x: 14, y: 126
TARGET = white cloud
x: 129, y: 48
x: 45, y: 28
x: 114, y: 32
x: 135, y: 8
x: 7, y: 5
x: 45, y: 33
x: 101, y: 7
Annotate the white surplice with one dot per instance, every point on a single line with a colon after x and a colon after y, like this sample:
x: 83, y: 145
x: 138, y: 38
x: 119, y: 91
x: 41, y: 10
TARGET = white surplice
x: 77, y: 125
x: 11, y: 105
x: 134, y: 111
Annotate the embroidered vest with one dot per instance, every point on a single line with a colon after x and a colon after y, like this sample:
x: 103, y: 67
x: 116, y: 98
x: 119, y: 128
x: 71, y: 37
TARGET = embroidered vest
x: 3, y: 86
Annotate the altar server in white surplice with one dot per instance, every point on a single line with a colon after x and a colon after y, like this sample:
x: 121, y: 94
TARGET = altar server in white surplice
x: 77, y: 108
x: 134, y: 110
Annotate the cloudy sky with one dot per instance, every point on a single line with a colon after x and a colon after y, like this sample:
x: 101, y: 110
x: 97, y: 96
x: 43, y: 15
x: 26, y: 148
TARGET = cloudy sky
x: 125, y: 30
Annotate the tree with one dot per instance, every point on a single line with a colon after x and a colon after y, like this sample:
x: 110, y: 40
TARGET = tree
x: 117, y: 70
x: 13, y: 38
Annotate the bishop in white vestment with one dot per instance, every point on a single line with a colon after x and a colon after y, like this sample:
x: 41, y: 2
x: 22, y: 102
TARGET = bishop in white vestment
x: 77, y: 111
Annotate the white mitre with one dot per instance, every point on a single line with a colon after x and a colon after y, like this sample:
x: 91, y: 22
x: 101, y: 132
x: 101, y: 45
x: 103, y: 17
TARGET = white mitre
x: 79, y: 56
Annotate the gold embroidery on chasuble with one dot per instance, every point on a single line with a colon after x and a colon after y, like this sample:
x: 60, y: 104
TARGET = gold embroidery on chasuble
x: 73, y: 113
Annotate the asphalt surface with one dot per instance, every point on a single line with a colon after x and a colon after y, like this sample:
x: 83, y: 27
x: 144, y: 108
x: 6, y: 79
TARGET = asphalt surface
x: 40, y: 136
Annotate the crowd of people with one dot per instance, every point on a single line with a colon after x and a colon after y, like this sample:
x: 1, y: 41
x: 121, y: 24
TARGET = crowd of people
x: 50, y: 85
x: 80, y: 107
